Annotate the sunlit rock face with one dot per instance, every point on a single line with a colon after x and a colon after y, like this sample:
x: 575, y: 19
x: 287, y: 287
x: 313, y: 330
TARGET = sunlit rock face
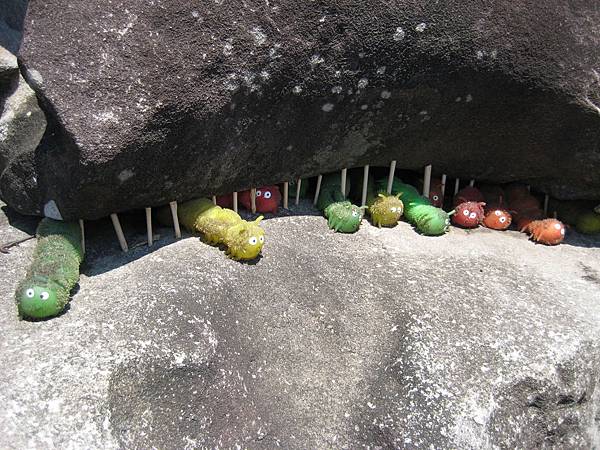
x: 153, y: 101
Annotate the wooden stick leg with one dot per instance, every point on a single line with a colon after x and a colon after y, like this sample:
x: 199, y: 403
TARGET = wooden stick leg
x: 173, y: 206
x: 391, y: 177
x: 214, y: 199
x: 149, y: 226
x: 427, y: 181
x: 298, y: 187
x: 546, y: 199
x: 472, y: 182
x: 456, y: 186
x: 253, y: 200
x: 443, y: 185
x: 81, y: 226
x: 318, y: 191
x: 235, y: 202
x: 286, y: 189
x: 343, y: 182
x: 364, y: 186
x: 119, y: 231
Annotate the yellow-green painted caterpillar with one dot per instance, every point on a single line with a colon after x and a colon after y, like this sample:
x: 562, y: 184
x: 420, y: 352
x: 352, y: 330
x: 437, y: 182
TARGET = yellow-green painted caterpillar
x: 243, y: 239
x: 386, y: 210
x: 54, y: 271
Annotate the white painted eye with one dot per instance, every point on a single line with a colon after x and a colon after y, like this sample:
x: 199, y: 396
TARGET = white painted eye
x: 557, y: 226
x: 354, y: 214
x: 252, y: 240
x: 562, y: 231
x: 498, y: 213
x: 267, y: 194
x: 258, y: 193
x: 502, y: 219
x: 29, y: 293
x: 435, y: 198
x: 261, y: 239
x: 44, y: 295
x: 466, y: 212
x: 472, y: 215
x: 393, y: 210
x: 447, y: 221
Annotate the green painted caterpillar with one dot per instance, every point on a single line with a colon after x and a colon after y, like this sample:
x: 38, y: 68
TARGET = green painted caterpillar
x: 428, y: 219
x: 342, y: 215
x: 244, y: 240
x: 54, y: 271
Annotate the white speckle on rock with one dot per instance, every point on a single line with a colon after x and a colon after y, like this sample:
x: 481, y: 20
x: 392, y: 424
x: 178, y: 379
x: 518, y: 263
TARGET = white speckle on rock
x: 297, y: 89
x: 399, y: 34
x: 480, y: 54
x: 28, y: 114
x: 322, y: 19
x: 458, y: 99
x: 494, y: 54
x: 381, y: 70
x: 125, y: 175
x: 227, y: 48
x: 423, y: 113
x: 364, y: 107
x: 195, y: 14
x: 315, y: 60
x: 336, y: 89
x: 361, y: 55
x: 362, y: 83
x: 386, y: 94
x: 469, y: 98
x: 259, y: 36
x: 421, y: 27
x: 327, y: 107
x: 264, y: 75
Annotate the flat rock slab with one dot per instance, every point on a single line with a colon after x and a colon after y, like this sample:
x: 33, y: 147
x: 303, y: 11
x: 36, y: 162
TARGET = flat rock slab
x: 383, y: 338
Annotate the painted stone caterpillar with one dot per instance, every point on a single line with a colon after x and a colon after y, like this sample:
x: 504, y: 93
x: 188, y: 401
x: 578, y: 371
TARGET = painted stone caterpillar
x: 54, y: 271
x: 341, y: 214
x: 419, y: 211
x: 386, y: 210
x: 244, y: 240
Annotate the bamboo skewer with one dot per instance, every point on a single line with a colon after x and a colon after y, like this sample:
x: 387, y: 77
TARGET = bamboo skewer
x: 364, y: 186
x: 472, y: 182
x: 298, y: 186
x: 286, y: 190
x: 456, y: 186
x: 119, y: 231
x: 343, y: 183
x: 443, y: 186
x: 427, y: 181
x: 391, y: 177
x: 235, y: 202
x: 173, y: 206
x: 317, y: 192
x: 546, y: 199
x: 149, y: 225
x: 253, y: 200
x: 81, y: 226
x: 214, y: 199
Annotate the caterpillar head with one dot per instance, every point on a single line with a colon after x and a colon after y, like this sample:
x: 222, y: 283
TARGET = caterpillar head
x: 37, y: 300
x: 387, y: 210
x: 248, y: 238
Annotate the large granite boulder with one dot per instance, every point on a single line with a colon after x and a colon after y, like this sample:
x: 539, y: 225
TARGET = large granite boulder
x: 150, y: 102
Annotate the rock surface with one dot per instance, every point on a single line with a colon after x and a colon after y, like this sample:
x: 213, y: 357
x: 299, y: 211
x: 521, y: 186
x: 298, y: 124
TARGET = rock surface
x: 173, y: 100
x: 383, y: 339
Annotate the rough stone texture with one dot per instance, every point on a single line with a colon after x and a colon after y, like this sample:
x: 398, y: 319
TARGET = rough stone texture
x: 22, y: 125
x: 155, y: 101
x: 384, y: 338
x: 12, y: 15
